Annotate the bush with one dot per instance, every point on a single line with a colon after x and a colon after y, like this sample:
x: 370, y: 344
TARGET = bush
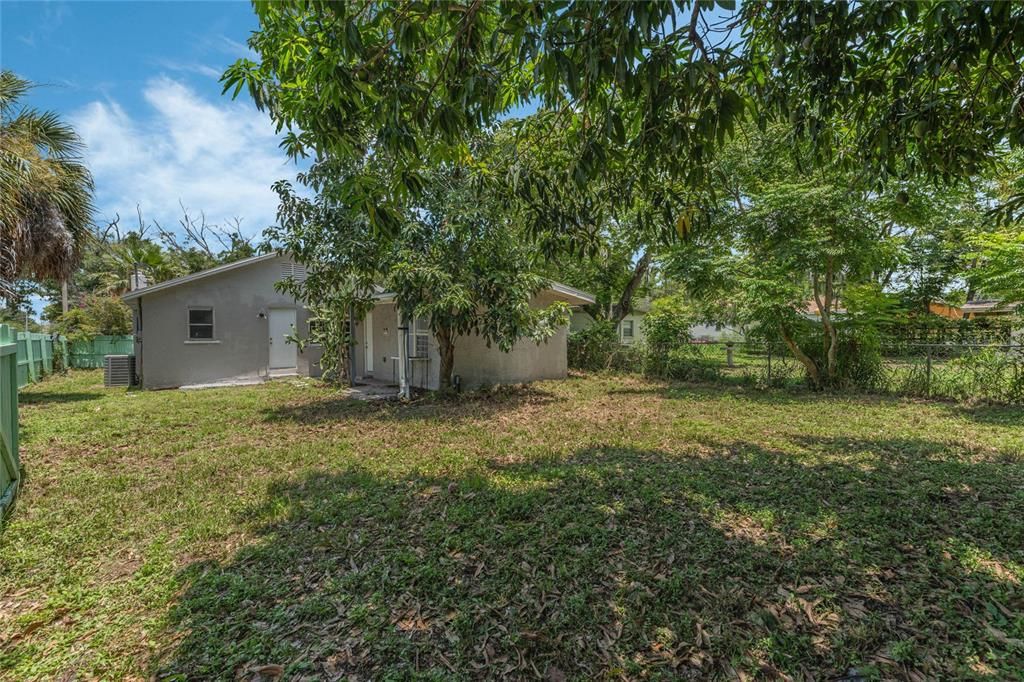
x: 684, y: 362
x: 97, y: 316
x: 666, y: 352
x: 60, y: 359
x: 858, y: 355
x: 597, y: 348
x: 859, y: 361
x: 668, y: 324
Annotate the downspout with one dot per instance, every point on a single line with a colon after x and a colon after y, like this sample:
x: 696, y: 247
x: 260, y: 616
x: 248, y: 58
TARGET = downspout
x: 138, y: 353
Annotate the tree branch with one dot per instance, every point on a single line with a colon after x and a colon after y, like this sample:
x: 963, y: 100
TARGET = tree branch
x: 625, y: 306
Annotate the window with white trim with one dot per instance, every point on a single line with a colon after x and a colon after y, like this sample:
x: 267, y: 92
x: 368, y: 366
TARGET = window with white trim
x: 200, y: 324
x: 421, y: 337
x: 627, y: 329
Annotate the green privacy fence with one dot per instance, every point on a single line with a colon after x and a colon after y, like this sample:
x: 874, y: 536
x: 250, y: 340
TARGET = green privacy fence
x: 35, y: 356
x: 10, y: 466
x: 26, y: 357
x: 89, y: 354
x: 36, y: 352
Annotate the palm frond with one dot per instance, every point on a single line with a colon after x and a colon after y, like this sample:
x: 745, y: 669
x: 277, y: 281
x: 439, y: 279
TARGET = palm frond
x: 45, y: 191
x: 46, y: 131
x: 12, y: 89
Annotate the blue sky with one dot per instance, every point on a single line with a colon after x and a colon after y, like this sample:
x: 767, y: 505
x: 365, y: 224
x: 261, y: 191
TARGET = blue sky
x: 139, y: 82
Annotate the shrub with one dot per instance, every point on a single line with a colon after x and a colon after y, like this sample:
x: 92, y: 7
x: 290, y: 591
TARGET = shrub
x: 668, y: 323
x: 859, y: 362
x: 97, y: 315
x: 597, y: 348
x: 858, y: 354
x: 684, y: 362
x: 60, y: 360
x: 667, y: 351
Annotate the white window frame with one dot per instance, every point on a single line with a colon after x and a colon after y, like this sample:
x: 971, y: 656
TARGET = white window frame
x: 417, y: 333
x: 632, y: 331
x: 189, y: 324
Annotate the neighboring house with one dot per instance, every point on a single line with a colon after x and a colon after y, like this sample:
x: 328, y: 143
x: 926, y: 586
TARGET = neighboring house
x: 950, y: 312
x: 811, y: 312
x: 706, y: 333
x: 229, y: 324
x: 972, y: 310
x: 987, y: 308
x: 631, y: 328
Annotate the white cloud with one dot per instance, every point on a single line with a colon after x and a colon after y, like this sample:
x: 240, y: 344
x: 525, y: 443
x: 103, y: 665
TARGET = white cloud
x: 218, y: 156
x: 190, y: 67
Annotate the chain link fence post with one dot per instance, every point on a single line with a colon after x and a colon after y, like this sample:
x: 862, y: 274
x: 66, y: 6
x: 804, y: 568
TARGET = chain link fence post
x: 928, y: 373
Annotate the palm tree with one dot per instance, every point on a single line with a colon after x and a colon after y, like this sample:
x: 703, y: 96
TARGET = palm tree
x: 45, y: 191
x: 117, y: 261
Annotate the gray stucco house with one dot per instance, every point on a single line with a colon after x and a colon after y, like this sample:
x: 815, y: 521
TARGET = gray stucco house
x: 229, y: 323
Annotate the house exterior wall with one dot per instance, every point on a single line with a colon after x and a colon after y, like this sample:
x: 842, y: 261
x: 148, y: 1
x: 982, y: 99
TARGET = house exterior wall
x: 384, y: 328
x: 240, y: 348
x: 580, y: 320
x: 475, y: 363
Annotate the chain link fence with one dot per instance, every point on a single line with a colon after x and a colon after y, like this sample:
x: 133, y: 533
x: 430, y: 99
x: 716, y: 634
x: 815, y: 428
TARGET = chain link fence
x: 969, y: 372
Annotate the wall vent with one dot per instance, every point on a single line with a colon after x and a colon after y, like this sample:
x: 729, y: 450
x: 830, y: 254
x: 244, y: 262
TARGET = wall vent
x: 118, y: 370
x: 296, y: 271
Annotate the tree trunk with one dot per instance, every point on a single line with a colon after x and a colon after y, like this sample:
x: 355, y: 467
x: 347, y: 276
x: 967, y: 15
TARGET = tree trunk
x: 970, y: 286
x: 625, y: 306
x: 833, y: 347
x: 63, y: 295
x: 808, y: 363
x: 830, y: 343
x: 446, y: 348
x: 344, y: 377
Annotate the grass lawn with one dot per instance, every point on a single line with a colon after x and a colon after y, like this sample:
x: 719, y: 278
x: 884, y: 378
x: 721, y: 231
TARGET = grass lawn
x: 595, y: 528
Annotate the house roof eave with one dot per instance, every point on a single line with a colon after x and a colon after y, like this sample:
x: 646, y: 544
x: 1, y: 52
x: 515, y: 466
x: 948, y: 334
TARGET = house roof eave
x: 202, y: 274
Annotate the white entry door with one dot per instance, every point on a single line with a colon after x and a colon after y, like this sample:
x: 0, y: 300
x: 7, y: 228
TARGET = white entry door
x: 368, y: 330
x: 283, y: 354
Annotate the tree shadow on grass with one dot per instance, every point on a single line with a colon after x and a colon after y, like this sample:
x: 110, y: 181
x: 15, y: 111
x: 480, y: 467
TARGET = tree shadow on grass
x: 996, y: 415
x: 619, y: 562
x: 54, y: 397
x: 469, y: 406
x: 773, y: 396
